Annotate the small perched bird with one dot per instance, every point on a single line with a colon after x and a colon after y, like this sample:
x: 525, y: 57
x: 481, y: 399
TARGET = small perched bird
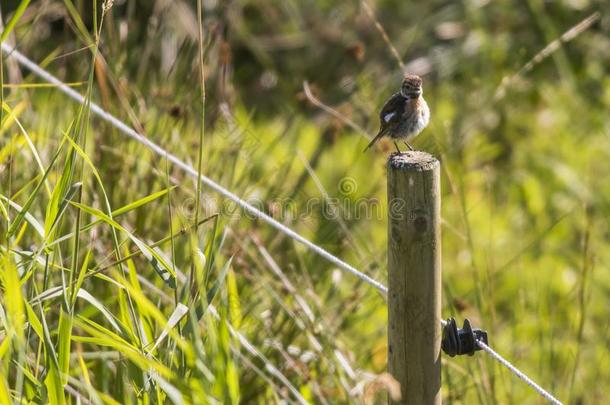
x: 405, y: 114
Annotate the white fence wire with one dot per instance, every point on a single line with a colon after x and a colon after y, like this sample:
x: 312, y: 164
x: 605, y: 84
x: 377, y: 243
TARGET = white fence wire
x: 518, y: 373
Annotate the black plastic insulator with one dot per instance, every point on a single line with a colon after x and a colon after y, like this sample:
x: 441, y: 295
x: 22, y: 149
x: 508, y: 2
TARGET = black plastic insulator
x: 457, y: 342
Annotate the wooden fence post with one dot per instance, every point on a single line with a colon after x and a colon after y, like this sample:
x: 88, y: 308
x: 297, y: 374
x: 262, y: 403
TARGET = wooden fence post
x: 414, y: 276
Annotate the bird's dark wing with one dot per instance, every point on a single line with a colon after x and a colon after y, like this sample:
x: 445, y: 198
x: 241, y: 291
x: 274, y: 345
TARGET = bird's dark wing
x: 392, y: 111
x: 390, y: 115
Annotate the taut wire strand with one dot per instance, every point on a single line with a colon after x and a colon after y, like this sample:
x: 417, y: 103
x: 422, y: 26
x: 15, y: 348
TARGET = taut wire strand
x: 518, y: 373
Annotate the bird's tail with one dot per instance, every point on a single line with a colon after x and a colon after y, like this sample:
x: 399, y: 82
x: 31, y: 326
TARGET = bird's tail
x: 375, y: 139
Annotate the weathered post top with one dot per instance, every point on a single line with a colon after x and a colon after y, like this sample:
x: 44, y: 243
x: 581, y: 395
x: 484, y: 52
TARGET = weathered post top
x: 414, y: 276
x: 413, y: 160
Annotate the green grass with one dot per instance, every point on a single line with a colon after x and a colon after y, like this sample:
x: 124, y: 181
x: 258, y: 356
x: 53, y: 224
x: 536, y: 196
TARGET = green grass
x: 124, y: 281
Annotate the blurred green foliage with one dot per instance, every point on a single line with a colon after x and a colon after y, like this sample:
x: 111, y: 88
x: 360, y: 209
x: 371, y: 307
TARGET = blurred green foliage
x: 525, y: 199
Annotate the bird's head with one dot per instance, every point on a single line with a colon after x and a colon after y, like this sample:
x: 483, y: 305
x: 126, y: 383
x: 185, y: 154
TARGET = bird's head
x: 411, y: 87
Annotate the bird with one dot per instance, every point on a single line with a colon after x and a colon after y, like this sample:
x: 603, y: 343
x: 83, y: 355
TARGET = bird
x: 405, y: 114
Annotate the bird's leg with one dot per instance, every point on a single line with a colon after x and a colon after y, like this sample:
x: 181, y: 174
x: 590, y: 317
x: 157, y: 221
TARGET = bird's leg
x: 397, y: 148
x: 409, y: 146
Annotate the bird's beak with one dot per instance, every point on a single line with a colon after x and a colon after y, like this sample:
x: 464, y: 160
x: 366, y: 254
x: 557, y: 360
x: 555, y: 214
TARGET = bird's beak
x: 415, y: 93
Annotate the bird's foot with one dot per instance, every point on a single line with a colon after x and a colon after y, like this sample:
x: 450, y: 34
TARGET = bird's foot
x: 409, y: 146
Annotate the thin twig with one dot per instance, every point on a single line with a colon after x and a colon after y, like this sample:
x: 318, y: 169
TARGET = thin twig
x: 202, y: 129
x: 383, y: 33
x: 63, y: 55
x: 567, y: 36
x: 313, y: 100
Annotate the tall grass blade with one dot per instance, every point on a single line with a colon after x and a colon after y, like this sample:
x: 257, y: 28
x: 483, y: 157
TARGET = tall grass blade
x: 16, y: 16
x: 5, y: 397
x: 29, y: 218
x: 219, y: 281
x: 63, y: 344
x: 55, y: 292
x: 173, y: 320
x: 160, y: 265
x: 233, y: 297
x: 119, y: 211
x: 34, y: 194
